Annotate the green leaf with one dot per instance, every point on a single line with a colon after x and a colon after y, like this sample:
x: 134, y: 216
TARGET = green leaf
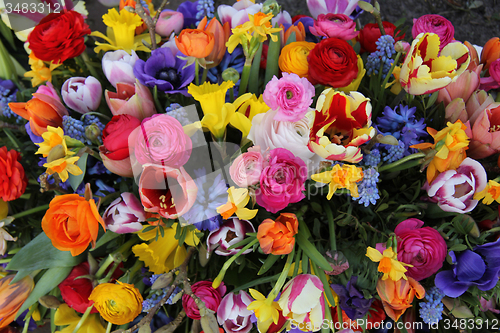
x: 242, y: 243
x: 432, y: 99
x: 7, y: 34
x: 50, y: 279
x: 256, y: 282
x: 75, y: 181
x: 305, y: 262
x: 28, y: 259
x: 17, y: 144
x: 272, y: 67
x: 312, y: 252
x: 292, y: 38
x: 271, y: 259
x: 107, y: 237
x: 253, y: 83
x: 328, y: 291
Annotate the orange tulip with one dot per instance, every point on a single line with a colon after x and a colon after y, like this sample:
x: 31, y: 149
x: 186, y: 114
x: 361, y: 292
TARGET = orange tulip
x: 277, y: 237
x: 12, y: 297
x: 195, y: 43
x: 491, y: 52
x: 42, y: 111
x: 397, y: 296
x: 72, y: 223
x: 300, y: 33
x: 221, y: 35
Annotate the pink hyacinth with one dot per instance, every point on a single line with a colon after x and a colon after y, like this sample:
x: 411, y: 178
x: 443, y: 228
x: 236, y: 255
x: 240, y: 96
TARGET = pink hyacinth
x: 291, y: 96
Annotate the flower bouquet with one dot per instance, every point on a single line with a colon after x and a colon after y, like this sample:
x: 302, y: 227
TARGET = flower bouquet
x: 234, y: 169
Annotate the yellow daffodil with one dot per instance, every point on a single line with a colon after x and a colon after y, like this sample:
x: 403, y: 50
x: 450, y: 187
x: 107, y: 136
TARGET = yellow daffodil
x: 267, y: 312
x: 52, y: 138
x: 121, y: 32
x: 248, y: 108
x: 164, y: 254
x: 236, y: 202
x: 62, y: 166
x: 450, y: 144
x: 490, y: 193
x: 39, y: 71
x: 67, y: 316
x: 345, y: 176
x: 388, y: 263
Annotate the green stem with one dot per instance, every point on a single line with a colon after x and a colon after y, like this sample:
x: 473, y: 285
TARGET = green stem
x: 204, y: 76
x: 108, y: 329
x: 96, y: 114
x: 196, y: 73
x: 86, y: 60
x: 387, y: 77
x: 109, y: 260
x: 83, y: 319
x: 281, y: 280
x: 231, y: 94
x: 331, y: 226
x: 401, y: 161
x: 245, y: 76
x: 30, y: 211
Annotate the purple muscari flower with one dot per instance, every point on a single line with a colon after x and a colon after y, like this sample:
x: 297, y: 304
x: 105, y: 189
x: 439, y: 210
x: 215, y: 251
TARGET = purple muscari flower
x: 189, y: 10
x: 479, y: 267
x: 165, y: 71
x: 352, y: 300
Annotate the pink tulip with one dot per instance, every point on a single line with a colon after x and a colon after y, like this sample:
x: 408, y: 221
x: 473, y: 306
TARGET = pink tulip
x: 118, y: 67
x: 477, y: 103
x: 463, y: 87
x: 119, y: 167
x: 124, y: 214
x: 168, y: 22
x: 334, y: 25
x: 456, y: 111
x: 317, y: 7
x: 135, y: 100
x: 485, y: 133
x: 231, y: 232
x: 48, y: 89
x: 233, y: 315
x: 82, y: 94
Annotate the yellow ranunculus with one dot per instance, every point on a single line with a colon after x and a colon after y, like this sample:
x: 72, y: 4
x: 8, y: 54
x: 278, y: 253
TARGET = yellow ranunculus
x: 293, y: 58
x: 117, y: 303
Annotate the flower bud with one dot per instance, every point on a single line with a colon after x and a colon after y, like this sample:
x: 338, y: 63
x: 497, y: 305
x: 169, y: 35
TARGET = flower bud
x: 168, y: 22
x: 92, y: 132
x: 231, y: 74
x: 271, y: 6
x: 402, y: 46
x: 82, y: 94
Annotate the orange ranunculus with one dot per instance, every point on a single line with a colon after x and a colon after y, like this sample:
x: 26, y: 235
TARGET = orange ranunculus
x: 491, y: 52
x: 42, y: 111
x: 277, y: 237
x: 397, y: 296
x: 195, y: 43
x: 72, y: 223
x: 12, y: 297
x: 221, y: 35
x: 293, y: 58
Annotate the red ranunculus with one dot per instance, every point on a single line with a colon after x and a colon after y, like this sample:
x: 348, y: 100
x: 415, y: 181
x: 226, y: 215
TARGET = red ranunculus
x: 371, y: 33
x: 115, y: 136
x: 59, y: 36
x: 75, y: 291
x: 210, y: 296
x: 13, y: 180
x: 332, y: 62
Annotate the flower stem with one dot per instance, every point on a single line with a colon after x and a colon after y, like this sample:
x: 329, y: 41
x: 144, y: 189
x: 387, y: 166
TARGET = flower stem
x: 401, y: 161
x: 108, y: 329
x: 245, y: 76
x: 281, y: 280
x: 204, y: 75
x: 331, y: 226
x: 87, y: 62
x: 30, y: 211
x: 109, y: 260
x: 197, y: 72
x: 83, y: 319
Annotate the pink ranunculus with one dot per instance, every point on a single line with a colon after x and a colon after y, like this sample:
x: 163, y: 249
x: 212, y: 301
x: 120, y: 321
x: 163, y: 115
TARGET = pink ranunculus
x: 124, y: 214
x: 424, y: 248
x: 434, y: 24
x: 334, y: 25
x: 291, y: 96
x: 492, y: 81
x: 168, y: 22
x: 162, y: 141
x: 82, y: 94
x: 166, y: 191
x: 453, y: 190
x: 132, y: 99
x: 233, y: 314
x: 484, y: 133
x: 118, y: 67
x: 232, y: 231
x: 462, y: 88
x: 282, y: 180
x: 210, y: 296
x: 48, y: 89
x: 246, y: 168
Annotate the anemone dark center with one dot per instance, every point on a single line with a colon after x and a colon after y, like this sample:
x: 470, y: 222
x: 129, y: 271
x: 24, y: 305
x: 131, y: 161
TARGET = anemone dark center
x: 169, y: 75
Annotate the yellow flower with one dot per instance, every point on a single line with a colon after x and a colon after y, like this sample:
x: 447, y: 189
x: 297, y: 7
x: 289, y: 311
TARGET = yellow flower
x: 164, y: 254
x: 490, y: 193
x: 52, y: 138
x: 249, y: 107
x: 345, y: 176
x: 388, y: 263
x: 121, y: 32
x: 236, y: 202
x: 62, y: 166
x: 67, y: 316
x: 293, y: 58
x: 450, y: 144
x: 265, y: 311
x: 117, y: 303
x: 39, y: 71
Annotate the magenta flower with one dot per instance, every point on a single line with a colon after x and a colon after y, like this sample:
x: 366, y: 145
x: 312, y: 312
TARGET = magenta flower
x: 492, y: 81
x: 231, y: 232
x: 163, y: 141
x: 317, y: 7
x: 210, y: 296
x: 48, y: 89
x: 334, y: 25
x: 124, y: 214
x: 453, y: 190
x: 434, y: 24
x: 233, y: 314
x: 291, y: 96
x: 424, y: 248
x: 246, y: 168
x: 282, y: 181
x: 82, y: 94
